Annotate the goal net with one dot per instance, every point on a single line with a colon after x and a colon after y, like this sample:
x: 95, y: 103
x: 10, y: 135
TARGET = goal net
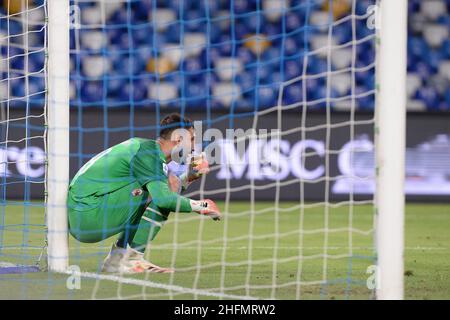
x: 23, y: 47
x: 282, y: 93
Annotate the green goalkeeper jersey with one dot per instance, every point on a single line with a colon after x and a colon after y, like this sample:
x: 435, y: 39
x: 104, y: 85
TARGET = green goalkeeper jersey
x: 136, y: 161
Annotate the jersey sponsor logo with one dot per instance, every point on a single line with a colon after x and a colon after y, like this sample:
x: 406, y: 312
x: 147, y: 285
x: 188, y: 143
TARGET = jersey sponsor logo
x: 165, y: 169
x: 137, y: 192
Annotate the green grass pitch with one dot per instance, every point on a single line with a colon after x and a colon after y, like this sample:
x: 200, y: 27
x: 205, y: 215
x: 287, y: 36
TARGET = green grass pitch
x: 338, y: 256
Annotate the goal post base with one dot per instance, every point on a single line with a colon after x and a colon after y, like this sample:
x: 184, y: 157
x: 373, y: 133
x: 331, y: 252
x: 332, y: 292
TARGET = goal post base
x: 11, y: 268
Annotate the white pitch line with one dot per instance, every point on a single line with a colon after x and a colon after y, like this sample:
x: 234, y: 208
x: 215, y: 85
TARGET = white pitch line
x: 151, y: 284
x: 162, y: 247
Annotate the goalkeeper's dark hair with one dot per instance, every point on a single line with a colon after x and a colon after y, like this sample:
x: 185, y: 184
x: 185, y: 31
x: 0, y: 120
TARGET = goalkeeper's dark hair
x: 172, y: 122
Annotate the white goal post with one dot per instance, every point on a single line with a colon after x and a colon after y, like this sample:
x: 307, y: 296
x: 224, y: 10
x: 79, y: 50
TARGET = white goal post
x: 390, y: 135
x: 57, y: 134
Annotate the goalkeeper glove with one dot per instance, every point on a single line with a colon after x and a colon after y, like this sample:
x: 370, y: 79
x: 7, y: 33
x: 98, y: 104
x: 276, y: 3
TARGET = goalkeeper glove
x: 206, y: 207
x: 198, y: 166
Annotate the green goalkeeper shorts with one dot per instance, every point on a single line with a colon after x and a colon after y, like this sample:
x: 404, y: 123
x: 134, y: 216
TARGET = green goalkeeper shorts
x: 94, y: 218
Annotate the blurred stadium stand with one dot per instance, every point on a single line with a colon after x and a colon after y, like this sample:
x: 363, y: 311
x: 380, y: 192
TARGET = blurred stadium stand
x: 151, y: 53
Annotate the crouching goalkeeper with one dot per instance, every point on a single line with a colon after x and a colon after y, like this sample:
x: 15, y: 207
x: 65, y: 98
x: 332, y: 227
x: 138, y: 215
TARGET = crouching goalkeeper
x: 127, y: 190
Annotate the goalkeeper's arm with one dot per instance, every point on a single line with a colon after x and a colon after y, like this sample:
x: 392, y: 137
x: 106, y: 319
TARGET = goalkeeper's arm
x: 165, y: 198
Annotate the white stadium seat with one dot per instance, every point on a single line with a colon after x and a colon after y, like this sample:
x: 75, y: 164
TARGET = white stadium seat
x: 174, y: 52
x: 416, y: 105
x: 91, y: 15
x: 444, y: 69
x: 226, y: 68
x: 341, y: 82
x: 413, y: 82
x: 4, y: 92
x: 163, y: 92
x: 416, y: 22
x: 110, y: 7
x: 435, y: 34
x: 341, y: 58
x: 194, y: 43
x: 320, y: 18
x: 345, y: 105
x: 162, y: 18
x: 96, y: 66
x: 433, y: 9
x: 226, y: 92
x: 320, y: 44
x: 94, y: 40
x: 273, y: 9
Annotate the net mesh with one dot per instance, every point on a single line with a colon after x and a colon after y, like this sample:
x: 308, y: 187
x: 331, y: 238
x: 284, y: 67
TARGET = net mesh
x: 302, y: 67
x: 23, y: 33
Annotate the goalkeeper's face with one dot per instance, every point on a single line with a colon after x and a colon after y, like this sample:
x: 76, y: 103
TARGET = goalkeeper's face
x: 183, y: 144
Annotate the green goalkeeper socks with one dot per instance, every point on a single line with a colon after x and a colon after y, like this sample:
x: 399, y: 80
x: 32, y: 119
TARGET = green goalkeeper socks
x: 151, y: 222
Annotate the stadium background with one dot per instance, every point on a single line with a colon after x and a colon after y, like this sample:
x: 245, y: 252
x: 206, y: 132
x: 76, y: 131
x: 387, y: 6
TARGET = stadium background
x: 127, y: 71
x: 130, y: 64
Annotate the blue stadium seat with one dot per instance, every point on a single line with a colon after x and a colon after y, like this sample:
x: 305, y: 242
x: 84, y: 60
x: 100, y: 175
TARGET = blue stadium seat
x: 343, y: 32
x: 293, y: 94
x: 130, y: 64
x: 263, y: 71
x: 225, y: 45
x: 246, y: 80
x: 417, y: 46
x: 13, y: 27
x: 122, y: 17
x: 33, y: 92
x: 429, y: 96
x: 114, y: 83
x: 241, y: 30
x: 266, y: 96
x: 273, y: 54
x: 290, y: 47
x: 434, y: 58
x: 447, y: 99
x: 133, y: 91
x: 293, y: 68
x: 364, y: 101
x: 414, y: 5
x: 293, y: 22
x: 142, y: 8
x: 193, y: 68
x: 142, y: 34
x: 194, y: 21
x: 245, y: 55
x: 210, y: 55
x: 316, y: 65
x: 195, y: 94
x: 36, y: 61
x: 422, y: 68
x: 177, y: 5
x: 362, y: 5
x: 173, y: 34
x: 242, y: 6
x: 92, y: 92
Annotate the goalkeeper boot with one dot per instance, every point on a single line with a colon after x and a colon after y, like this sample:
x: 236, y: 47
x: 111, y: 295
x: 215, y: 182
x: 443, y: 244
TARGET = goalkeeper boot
x: 112, y: 262
x: 134, y: 262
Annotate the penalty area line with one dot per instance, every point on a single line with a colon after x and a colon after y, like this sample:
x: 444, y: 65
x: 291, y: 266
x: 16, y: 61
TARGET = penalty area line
x: 152, y: 284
